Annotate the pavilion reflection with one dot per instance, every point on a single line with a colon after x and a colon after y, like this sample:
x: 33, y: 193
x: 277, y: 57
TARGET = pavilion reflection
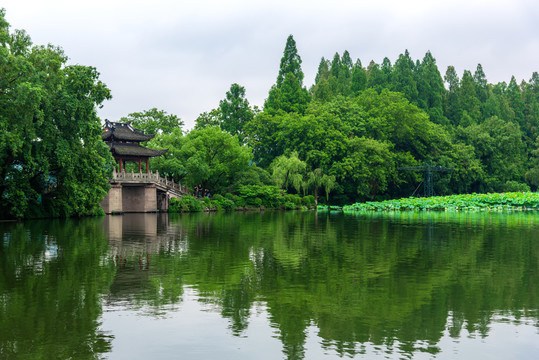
x: 134, y: 237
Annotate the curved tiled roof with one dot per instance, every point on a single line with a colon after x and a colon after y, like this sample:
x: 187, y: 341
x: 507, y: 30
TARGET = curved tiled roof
x: 135, y: 150
x: 123, y: 132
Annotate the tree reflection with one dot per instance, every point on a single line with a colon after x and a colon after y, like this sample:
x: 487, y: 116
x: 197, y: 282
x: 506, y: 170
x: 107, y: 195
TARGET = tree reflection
x: 395, y: 280
x: 51, y: 280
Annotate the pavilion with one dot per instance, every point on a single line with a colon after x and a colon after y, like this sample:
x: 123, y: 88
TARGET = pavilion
x: 124, y: 143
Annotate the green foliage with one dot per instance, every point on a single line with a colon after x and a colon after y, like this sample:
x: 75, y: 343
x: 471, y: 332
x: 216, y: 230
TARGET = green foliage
x: 498, y: 145
x: 53, y: 304
x: 288, y: 94
x: 222, y: 203
x: 171, y: 163
x: 256, y: 195
x: 364, y: 125
x: 154, y: 121
x: 465, y: 202
x: 209, y: 119
x: 514, y: 186
x: 288, y: 170
x: 52, y: 158
x: 212, y: 158
x: 308, y: 201
x: 290, y: 63
x: 293, y: 199
x: 252, y: 175
x: 235, y: 112
x: 186, y: 203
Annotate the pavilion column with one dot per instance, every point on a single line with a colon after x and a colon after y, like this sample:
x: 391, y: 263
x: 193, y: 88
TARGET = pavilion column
x: 147, y: 166
x: 139, y: 165
x: 120, y: 163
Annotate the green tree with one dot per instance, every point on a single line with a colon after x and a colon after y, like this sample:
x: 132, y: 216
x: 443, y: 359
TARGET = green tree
x: 212, y: 158
x: 288, y: 94
x: 369, y: 165
x: 376, y: 78
x: 481, y: 84
x: 532, y: 174
x: 514, y: 96
x: 451, y: 104
x: 316, y: 179
x: 154, y: 121
x: 358, y: 82
x: 235, y: 112
x: 290, y: 63
x: 170, y: 164
x: 403, y: 78
x: 530, y: 98
x: 498, y: 145
x: 262, y: 132
x: 211, y: 118
x: 321, y: 89
x: 391, y: 117
x: 431, y: 89
x: 469, y: 104
x: 52, y: 158
x: 288, y: 170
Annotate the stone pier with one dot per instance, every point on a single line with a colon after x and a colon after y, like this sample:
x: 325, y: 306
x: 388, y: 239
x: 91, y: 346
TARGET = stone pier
x: 141, y: 193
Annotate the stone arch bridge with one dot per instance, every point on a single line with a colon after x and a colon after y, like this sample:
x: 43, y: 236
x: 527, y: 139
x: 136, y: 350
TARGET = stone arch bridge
x: 140, y: 192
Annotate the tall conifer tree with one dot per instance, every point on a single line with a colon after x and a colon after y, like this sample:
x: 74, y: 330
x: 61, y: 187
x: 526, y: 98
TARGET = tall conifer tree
x: 480, y: 81
x: 288, y: 94
x: 235, y: 111
x: 403, y: 78
x: 469, y: 103
x: 359, y: 78
x: 290, y: 62
x: 451, y: 106
x: 431, y: 89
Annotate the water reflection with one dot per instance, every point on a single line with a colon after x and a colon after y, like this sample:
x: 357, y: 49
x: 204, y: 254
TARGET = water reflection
x: 399, y: 281
x: 51, y: 280
x: 269, y: 285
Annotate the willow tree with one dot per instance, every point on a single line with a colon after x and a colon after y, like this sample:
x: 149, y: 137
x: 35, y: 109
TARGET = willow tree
x: 288, y: 170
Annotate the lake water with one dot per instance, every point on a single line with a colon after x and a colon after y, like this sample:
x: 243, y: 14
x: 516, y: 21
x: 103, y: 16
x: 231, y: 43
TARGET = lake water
x: 292, y: 285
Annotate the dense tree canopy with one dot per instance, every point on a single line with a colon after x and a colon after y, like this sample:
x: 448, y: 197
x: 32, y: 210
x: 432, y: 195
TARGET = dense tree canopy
x: 212, y: 158
x: 354, y: 131
x: 153, y: 121
x: 362, y: 125
x: 52, y: 158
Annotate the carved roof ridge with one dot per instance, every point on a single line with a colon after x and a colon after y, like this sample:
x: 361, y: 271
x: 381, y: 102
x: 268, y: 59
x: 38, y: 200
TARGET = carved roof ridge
x: 123, y: 131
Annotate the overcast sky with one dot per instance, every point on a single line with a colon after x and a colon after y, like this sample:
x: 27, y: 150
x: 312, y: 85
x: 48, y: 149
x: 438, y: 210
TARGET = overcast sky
x: 182, y: 56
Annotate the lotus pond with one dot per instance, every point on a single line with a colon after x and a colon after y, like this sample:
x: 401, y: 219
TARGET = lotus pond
x: 465, y: 202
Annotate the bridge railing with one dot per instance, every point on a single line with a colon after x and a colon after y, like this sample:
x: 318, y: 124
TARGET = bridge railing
x: 151, y: 177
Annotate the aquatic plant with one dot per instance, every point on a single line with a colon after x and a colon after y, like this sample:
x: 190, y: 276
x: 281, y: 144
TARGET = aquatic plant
x: 463, y: 202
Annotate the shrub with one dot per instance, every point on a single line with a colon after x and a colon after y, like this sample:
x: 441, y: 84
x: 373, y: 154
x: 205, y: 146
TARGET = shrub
x: 267, y: 195
x: 186, y: 204
x: 218, y: 197
x: 292, y: 198
x: 288, y: 205
x: 515, y: 186
x: 308, y: 201
x: 222, y: 203
x: 238, y: 200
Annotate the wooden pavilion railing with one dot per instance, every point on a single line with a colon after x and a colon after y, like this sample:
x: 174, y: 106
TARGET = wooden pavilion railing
x: 151, y: 177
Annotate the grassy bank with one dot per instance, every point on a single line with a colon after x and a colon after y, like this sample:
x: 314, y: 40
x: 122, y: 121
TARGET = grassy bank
x: 465, y: 202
